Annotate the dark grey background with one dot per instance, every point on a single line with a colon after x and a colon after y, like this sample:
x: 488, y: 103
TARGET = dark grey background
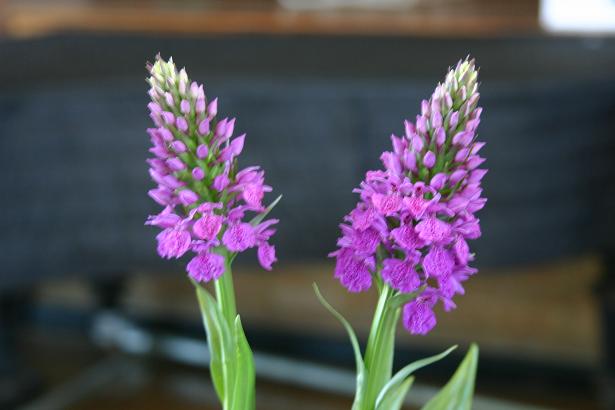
x: 318, y: 112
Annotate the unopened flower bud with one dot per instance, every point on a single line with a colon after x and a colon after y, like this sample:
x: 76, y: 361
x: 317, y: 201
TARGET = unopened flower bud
x: 212, y: 108
x: 204, y: 127
x: 168, y: 117
x: 187, y: 197
x: 176, y: 164
x: 198, y: 174
x: 429, y: 160
x: 181, y: 124
x: 199, y: 106
x: 168, y: 97
x: 185, y: 107
x: 202, y: 151
x: 178, y: 146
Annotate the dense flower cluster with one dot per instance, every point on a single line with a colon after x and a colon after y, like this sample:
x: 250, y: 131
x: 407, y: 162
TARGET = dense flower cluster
x: 205, y: 196
x: 415, y: 216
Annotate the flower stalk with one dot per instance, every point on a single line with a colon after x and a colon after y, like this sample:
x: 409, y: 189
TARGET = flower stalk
x: 380, y: 346
x: 225, y: 291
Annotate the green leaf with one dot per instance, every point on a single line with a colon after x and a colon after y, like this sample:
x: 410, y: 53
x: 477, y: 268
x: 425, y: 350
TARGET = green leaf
x: 258, y: 218
x: 361, y: 371
x: 395, y: 397
x: 403, y: 298
x: 243, y: 393
x: 218, y: 340
x: 458, y: 392
x: 392, y: 387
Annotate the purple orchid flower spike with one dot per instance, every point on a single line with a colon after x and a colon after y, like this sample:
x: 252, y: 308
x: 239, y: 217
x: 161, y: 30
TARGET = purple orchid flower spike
x: 195, y: 168
x: 207, y: 201
x: 415, y: 216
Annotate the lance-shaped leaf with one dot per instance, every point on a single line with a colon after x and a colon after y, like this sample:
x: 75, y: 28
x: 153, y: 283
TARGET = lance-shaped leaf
x: 394, y: 398
x: 458, y: 392
x: 259, y: 218
x: 392, y: 388
x: 218, y: 340
x: 402, y: 298
x: 243, y: 392
x: 361, y: 371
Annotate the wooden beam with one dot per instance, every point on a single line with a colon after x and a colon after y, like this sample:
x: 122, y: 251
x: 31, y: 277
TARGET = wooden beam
x: 471, y: 18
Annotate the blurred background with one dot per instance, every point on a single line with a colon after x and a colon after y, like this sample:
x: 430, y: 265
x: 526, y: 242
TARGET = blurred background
x: 91, y: 318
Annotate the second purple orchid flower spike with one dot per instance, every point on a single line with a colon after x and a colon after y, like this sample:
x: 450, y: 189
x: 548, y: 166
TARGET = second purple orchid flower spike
x: 409, y: 234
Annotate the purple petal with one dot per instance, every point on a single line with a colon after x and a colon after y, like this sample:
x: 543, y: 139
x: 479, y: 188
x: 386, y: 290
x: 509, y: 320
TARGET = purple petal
x: 208, y: 226
x: 173, y: 243
x: 406, y: 238
x: 266, y: 255
x: 353, y: 272
x: 419, y: 317
x: 239, y: 237
x: 401, y: 275
x: 434, y: 230
x: 438, y: 262
x: 206, y: 267
x: 386, y: 204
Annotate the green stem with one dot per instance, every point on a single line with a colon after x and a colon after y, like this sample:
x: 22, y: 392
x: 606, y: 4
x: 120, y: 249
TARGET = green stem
x: 225, y: 292
x: 232, y: 362
x: 380, y: 348
x: 225, y: 298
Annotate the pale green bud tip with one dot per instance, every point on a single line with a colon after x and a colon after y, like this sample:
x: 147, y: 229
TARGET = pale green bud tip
x: 162, y: 72
x: 460, y: 85
x: 464, y: 75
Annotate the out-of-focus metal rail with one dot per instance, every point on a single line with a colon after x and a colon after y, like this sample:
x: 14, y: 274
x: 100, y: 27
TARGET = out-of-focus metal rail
x: 113, y: 331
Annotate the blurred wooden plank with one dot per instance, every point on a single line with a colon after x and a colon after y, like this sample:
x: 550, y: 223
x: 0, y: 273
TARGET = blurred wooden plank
x: 546, y: 312
x: 444, y: 18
